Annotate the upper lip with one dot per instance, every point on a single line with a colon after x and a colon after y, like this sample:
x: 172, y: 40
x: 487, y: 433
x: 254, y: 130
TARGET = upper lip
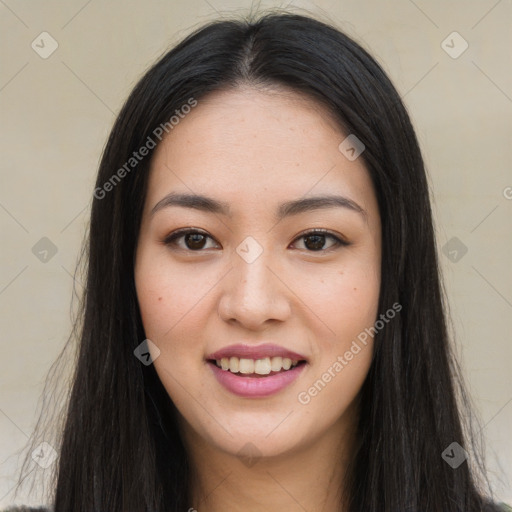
x: 256, y: 352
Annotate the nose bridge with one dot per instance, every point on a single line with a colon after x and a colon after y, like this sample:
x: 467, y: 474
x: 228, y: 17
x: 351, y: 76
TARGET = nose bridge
x: 253, y: 276
x: 254, y: 294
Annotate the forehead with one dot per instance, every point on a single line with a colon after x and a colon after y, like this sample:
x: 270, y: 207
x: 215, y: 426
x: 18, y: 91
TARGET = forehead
x: 246, y: 144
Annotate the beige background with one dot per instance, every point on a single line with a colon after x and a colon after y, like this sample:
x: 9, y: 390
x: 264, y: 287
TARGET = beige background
x: 57, y: 112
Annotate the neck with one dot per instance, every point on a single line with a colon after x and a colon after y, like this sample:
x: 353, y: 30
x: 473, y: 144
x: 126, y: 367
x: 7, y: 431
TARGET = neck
x: 309, y: 478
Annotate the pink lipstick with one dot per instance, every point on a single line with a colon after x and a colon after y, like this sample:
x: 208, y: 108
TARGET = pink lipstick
x: 256, y: 371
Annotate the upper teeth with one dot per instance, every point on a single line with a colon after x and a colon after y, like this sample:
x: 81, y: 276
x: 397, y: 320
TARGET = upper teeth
x: 259, y: 366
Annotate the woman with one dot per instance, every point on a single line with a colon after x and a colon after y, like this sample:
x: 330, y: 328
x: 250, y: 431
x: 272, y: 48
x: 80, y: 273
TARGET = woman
x: 263, y: 324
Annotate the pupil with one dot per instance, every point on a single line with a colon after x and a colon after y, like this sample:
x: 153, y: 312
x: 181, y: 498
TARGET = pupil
x: 318, y: 241
x: 195, y: 240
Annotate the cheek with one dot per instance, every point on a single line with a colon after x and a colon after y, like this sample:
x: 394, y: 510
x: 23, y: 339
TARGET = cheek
x: 169, y: 296
x: 345, y: 301
x: 172, y: 315
x: 347, y: 295
x: 348, y: 305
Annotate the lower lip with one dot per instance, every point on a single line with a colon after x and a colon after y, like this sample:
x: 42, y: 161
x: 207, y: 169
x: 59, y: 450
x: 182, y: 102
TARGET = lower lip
x: 255, y: 387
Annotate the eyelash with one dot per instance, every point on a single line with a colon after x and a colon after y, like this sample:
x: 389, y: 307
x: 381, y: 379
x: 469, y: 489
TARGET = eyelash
x: 180, y: 233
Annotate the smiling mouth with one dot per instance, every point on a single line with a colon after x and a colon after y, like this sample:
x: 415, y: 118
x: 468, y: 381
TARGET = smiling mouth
x: 264, y: 367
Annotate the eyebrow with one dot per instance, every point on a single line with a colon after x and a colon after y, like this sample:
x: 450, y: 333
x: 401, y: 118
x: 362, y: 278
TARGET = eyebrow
x: 287, y: 209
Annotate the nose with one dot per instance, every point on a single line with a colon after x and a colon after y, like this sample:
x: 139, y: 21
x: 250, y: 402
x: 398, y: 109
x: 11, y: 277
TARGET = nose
x: 254, y: 294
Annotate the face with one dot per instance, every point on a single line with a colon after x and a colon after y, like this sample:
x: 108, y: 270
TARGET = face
x: 261, y: 275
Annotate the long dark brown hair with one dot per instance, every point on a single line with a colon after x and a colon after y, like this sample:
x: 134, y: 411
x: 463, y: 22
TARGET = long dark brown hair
x: 120, y: 448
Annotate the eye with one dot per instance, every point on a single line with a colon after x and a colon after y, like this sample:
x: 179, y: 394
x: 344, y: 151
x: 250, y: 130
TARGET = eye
x: 195, y: 240
x: 315, y: 240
